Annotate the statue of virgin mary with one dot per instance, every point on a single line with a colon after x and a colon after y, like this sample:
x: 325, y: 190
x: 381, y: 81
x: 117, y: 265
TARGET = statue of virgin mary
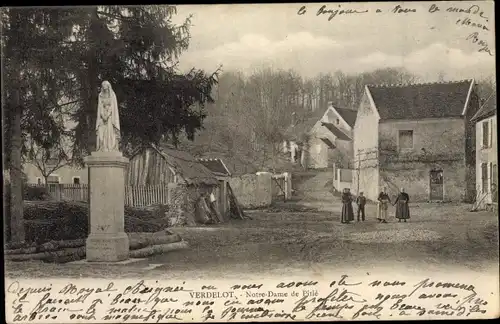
x: 108, y: 120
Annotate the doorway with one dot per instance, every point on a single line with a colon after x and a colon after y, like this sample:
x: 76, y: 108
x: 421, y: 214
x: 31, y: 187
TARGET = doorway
x: 436, y: 185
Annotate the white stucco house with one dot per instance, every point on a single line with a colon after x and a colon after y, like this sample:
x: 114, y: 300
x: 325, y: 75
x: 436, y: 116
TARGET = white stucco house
x: 322, y: 139
x: 486, y: 156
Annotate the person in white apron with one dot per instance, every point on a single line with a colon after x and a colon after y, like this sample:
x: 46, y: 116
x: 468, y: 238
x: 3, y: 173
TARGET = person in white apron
x: 383, y: 206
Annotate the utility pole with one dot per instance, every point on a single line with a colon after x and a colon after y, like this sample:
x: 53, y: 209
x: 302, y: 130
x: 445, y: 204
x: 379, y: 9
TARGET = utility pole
x: 358, y: 169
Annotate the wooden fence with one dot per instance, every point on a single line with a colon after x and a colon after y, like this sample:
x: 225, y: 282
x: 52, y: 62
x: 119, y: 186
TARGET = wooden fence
x: 281, y: 186
x: 66, y: 191
x: 139, y: 196
x: 136, y: 196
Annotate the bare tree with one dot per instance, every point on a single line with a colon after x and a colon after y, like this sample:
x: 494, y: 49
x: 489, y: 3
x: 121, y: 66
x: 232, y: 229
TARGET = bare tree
x: 48, y: 159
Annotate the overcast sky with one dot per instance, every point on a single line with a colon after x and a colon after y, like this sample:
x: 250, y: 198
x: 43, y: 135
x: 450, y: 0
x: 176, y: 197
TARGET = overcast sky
x: 245, y: 37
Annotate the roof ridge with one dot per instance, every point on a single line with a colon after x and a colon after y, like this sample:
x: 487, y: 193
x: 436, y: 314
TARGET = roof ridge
x: 394, y: 85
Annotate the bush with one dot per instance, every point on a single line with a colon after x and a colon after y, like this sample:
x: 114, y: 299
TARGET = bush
x: 35, y: 193
x: 60, y: 220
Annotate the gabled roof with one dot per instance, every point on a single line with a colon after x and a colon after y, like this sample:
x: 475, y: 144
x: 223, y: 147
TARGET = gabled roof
x: 328, y: 142
x: 183, y: 163
x: 425, y: 100
x: 217, y: 166
x: 485, y: 112
x: 189, y: 168
x: 294, y: 131
x: 336, y: 131
x: 348, y: 115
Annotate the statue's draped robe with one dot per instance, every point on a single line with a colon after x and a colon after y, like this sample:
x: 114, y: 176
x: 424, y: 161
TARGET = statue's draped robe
x: 108, y: 124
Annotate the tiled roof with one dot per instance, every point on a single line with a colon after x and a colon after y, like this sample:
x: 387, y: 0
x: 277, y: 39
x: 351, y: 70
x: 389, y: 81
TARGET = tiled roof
x: 216, y: 166
x: 293, y: 132
x: 348, y: 115
x: 187, y: 166
x: 418, y: 101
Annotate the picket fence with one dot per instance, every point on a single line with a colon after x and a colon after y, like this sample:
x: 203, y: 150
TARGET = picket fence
x: 136, y: 196
x: 139, y: 196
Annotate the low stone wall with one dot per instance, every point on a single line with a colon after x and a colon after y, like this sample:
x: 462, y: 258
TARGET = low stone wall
x: 183, y: 199
x: 253, y: 190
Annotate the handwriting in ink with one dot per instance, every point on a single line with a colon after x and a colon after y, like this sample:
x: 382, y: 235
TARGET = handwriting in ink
x: 247, y: 313
x: 335, y: 296
x: 53, y: 305
x: 208, y: 288
x: 230, y: 302
x: 469, y: 23
x: 377, y: 283
x: 331, y: 311
x: 483, y: 45
x: 343, y: 282
x: 399, y: 9
x: 369, y: 311
x: 426, y: 283
x: 145, y: 315
x: 474, y: 10
x: 446, y: 295
x: 249, y: 286
x: 71, y: 289
x: 16, y: 288
x: 404, y: 308
x: 458, y: 310
x: 208, y: 313
x: 297, y: 284
x: 141, y: 288
x: 335, y: 12
x: 266, y: 301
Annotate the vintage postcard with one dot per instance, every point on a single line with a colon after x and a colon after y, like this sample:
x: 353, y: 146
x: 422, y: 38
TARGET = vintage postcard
x: 250, y: 162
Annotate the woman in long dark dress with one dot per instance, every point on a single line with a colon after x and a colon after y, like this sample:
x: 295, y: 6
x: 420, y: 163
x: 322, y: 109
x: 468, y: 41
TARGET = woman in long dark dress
x: 347, y: 211
x: 402, y: 208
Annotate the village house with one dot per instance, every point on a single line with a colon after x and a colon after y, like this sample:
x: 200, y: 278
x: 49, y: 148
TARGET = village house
x: 322, y: 139
x: 67, y: 174
x: 486, y: 156
x: 419, y: 137
x: 57, y: 169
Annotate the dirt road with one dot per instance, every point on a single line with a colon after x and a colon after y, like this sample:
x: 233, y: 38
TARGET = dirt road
x: 438, y: 237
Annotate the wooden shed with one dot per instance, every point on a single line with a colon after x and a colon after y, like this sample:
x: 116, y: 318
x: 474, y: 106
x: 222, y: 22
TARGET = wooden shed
x: 222, y: 173
x: 178, y: 178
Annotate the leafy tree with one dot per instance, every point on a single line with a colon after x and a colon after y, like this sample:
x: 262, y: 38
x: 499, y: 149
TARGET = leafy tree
x: 57, y: 56
x: 136, y: 49
x: 32, y: 68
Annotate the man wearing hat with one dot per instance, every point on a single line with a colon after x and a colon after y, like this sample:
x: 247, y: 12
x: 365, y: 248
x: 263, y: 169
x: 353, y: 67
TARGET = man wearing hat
x: 361, y: 202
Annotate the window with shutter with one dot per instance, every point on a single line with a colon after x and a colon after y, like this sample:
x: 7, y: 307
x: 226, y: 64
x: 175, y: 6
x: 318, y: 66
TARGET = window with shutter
x: 491, y: 134
x: 494, y: 183
x: 52, y: 179
x: 484, y: 177
x: 405, y: 139
x: 486, y: 135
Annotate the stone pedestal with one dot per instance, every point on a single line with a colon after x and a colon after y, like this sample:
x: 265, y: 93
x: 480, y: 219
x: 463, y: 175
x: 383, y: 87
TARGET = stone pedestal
x: 107, y: 241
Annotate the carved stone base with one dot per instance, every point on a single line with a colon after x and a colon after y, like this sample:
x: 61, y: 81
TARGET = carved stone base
x: 107, y: 247
x: 107, y: 241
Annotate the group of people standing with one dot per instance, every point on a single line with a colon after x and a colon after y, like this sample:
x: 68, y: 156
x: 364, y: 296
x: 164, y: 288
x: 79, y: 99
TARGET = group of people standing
x: 401, y: 203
